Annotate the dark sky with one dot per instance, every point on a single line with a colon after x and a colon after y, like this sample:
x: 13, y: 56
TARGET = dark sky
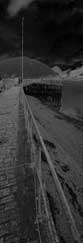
x: 53, y: 29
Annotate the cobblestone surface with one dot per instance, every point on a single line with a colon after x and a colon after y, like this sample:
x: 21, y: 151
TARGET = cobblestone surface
x: 9, y: 216
x: 17, y: 207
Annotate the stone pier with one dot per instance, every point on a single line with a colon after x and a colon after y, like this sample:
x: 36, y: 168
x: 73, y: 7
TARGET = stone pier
x: 17, y: 197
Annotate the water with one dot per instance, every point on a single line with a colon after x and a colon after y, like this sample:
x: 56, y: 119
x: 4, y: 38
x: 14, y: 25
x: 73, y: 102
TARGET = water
x: 72, y: 99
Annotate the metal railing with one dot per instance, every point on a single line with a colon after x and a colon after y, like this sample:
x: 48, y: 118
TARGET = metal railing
x: 31, y: 125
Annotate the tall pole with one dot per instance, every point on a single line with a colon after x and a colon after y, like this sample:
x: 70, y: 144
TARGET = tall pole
x: 22, y: 44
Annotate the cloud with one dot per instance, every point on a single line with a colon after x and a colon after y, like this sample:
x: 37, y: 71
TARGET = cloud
x: 16, y: 5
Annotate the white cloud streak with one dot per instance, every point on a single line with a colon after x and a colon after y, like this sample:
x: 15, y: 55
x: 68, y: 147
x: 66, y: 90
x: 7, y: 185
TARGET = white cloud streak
x: 16, y: 5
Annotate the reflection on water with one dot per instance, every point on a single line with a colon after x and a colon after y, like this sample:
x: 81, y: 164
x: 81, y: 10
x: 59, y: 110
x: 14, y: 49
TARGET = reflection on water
x: 72, y: 98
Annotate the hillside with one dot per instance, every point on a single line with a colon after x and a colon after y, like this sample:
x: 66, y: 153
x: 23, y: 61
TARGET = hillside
x: 32, y: 68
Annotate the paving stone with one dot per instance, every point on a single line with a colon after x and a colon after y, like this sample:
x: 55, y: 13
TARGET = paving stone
x: 4, y: 192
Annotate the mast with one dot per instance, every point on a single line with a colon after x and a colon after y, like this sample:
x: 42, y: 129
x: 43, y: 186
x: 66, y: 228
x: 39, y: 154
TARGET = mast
x: 22, y: 44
